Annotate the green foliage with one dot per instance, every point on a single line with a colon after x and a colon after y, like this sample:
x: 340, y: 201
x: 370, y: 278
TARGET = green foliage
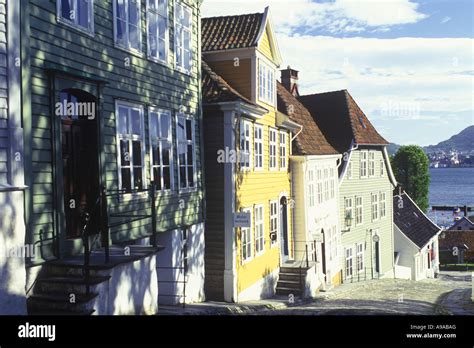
x: 411, y: 168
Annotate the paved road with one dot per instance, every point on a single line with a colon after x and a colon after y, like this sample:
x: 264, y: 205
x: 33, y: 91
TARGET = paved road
x: 449, y: 294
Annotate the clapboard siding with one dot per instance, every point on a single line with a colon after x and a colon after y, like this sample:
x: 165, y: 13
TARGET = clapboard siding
x: 144, y: 82
x: 4, y: 141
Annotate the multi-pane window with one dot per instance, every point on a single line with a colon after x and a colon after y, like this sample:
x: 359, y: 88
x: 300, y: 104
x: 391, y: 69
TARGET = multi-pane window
x: 383, y: 204
x: 272, y: 138
x: 349, y: 262
x: 79, y: 13
x: 186, y: 152
x: 326, y: 184
x: 266, y: 83
x: 359, y: 213
x: 371, y: 163
x: 183, y: 35
x: 375, y: 206
x: 348, y: 211
x: 283, y: 150
x: 363, y: 164
x: 311, y: 188
x: 157, y: 25
x: 127, y: 24
x: 258, y: 146
x: 360, y: 257
x: 274, y: 221
x: 259, y: 230
x: 382, y: 168
x: 349, y: 170
x: 246, y: 244
x: 131, y: 143
x: 161, y: 143
x: 319, y: 185
x: 245, y: 148
x: 332, y: 182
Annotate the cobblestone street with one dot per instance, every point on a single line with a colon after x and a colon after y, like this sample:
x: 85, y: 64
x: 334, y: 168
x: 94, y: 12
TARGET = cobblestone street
x: 449, y: 294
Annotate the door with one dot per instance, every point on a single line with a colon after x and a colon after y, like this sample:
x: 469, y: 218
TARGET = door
x: 377, y: 258
x: 284, y: 228
x: 80, y: 165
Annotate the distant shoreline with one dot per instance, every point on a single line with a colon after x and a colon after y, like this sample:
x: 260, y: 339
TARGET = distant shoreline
x: 452, y: 167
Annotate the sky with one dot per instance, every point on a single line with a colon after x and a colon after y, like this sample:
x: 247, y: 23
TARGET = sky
x: 408, y: 64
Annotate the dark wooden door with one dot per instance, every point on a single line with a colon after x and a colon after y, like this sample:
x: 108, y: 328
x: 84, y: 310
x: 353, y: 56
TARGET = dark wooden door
x: 80, y: 174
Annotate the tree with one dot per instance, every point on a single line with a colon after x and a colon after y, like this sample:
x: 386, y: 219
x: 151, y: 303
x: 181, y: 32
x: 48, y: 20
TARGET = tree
x: 411, y: 168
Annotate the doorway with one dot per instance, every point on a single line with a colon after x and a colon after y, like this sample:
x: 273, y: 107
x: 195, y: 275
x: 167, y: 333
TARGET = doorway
x: 284, y: 228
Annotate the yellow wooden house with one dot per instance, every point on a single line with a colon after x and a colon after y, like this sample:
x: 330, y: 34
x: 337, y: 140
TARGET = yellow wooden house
x: 248, y: 232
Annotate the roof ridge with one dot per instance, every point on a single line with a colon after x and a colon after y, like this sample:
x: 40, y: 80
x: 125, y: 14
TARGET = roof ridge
x: 313, y: 94
x: 349, y: 113
x: 416, y: 205
x: 233, y: 16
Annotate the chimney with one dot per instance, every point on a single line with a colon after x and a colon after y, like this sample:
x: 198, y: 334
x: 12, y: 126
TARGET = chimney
x: 289, y: 80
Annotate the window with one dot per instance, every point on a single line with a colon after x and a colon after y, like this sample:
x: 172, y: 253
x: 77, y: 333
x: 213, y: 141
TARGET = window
x: 363, y: 164
x: 348, y: 211
x: 183, y: 31
x: 161, y: 143
x: 259, y: 230
x: 186, y: 152
x: 157, y: 29
x: 371, y: 163
x: 332, y: 182
x: 266, y: 83
x: 311, y: 188
x: 319, y: 185
x: 274, y: 222
x: 326, y: 184
x: 127, y: 24
x: 246, y: 240
x: 258, y: 146
x: 349, y: 170
x: 382, y: 168
x: 131, y: 146
x: 360, y: 257
x: 383, y: 204
x: 272, y: 136
x: 375, y: 206
x: 79, y: 13
x: 282, y: 150
x: 349, y: 262
x: 359, y: 211
x: 245, y: 141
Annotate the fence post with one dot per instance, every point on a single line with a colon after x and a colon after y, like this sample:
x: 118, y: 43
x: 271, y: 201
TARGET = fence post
x: 105, y: 222
x: 153, y: 213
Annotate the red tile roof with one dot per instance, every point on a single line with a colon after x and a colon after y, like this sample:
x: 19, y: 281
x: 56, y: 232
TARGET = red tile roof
x: 311, y: 140
x: 230, y: 32
x: 341, y: 120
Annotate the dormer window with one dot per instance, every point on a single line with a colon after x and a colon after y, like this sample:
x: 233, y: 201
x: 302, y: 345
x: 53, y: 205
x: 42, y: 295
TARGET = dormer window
x: 266, y: 83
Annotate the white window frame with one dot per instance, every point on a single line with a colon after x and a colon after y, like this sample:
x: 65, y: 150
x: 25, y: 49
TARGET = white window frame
x: 332, y: 174
x: 360, y: 257
x: 348, y: 208
x: 247, y: 231
x: 246, y: 151
x: 128, y: 47
x: 272, y: 148
x: 157, y: 13
x: 186, y: 142
x: 383, y: 204
x: 319, y: 186
x: 266, y: 83
x: 74, y: 23
x: 374, y: 200
x: 349, y: 262
x: 181, y: 65
x: 349, y: 170
x: 283, y: 151
x: 152, y: 139
x: 371, y: 165
x: 359, y: 210
x: 363, y: 172
x: 311, y: 188
x: 130, y: 137
x: 274, y: 217
x: 326, y: 184
x: 259, y: 227
x: 258, y: 147
x: 382, y: 167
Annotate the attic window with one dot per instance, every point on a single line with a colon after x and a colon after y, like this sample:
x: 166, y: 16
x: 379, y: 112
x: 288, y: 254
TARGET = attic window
x: 361, y: 120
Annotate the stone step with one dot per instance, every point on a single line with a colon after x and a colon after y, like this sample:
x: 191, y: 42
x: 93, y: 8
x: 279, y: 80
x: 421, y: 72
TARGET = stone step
x: 287, y: 291
x: 289, y: 284
x: 44, y: 303
x: 290, y: 276
x: 293, y: 270
x: 70, y: 284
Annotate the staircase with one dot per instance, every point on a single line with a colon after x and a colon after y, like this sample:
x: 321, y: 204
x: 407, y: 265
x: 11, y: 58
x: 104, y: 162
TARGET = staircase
x: 291, y: 280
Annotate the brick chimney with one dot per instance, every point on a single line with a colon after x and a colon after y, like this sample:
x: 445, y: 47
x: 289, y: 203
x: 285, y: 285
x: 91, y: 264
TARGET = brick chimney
x: 289, y: 79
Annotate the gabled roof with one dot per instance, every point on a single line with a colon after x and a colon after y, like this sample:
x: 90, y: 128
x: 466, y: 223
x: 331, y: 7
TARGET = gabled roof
x: 341, y: 120
x: 311, y: 140
x: 450, y: 239
x: 231, y: 32
x: 469, y: 220
x: 412, y: 221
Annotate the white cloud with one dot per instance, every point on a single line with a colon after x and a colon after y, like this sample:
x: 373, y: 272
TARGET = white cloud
x: 445, y: 20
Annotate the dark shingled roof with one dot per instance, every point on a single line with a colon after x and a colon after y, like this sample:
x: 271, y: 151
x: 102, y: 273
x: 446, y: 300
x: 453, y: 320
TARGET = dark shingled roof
x: 230, y: 32
x: 452, y: 239
x: 311, y: 140
x: 215, y: 89
x: 412, y: 221
x: 341, y: 120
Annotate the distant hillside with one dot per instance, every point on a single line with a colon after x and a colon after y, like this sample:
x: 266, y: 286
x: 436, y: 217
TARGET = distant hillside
x: 392, y: 148
x: 462, y: 142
